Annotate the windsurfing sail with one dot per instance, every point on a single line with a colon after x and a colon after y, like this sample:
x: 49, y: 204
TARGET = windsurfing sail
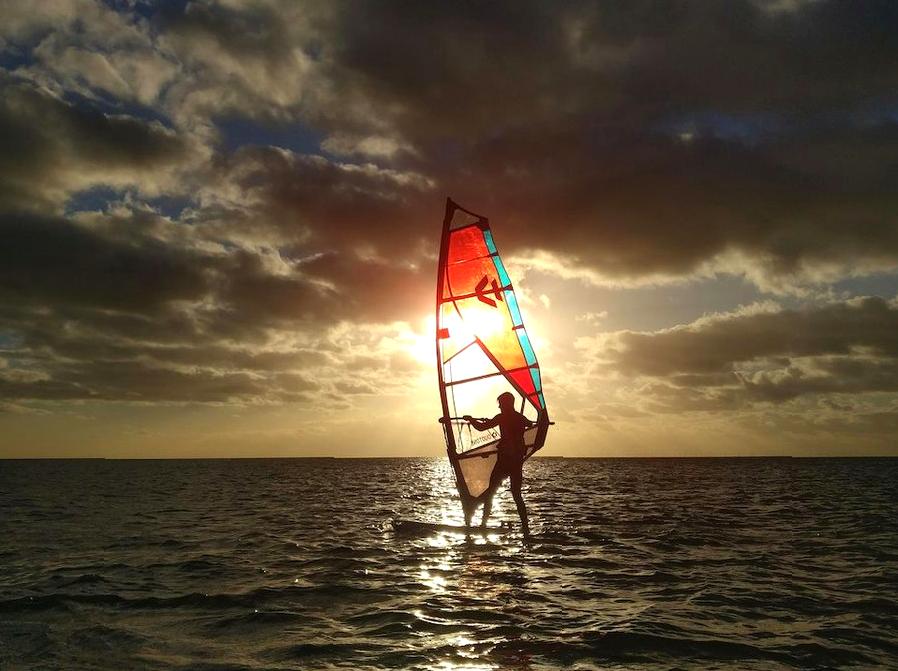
x: 482, y: 351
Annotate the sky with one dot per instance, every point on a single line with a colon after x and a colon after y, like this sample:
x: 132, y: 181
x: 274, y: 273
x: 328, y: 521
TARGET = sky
x: 220, y: 221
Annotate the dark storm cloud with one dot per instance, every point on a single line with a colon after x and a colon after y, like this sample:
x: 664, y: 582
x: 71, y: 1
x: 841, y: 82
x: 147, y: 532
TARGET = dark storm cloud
x: 353, y: 234
x: 375, y: 290
x: 714, y: 345
x: 730, y: 360
x: 478, y: 66
x: 253, y: 31
x: 132, y: 381
x: 662, y: 135
x: 46, y: 338
x: 320, y: 292
x: 664, y: 398
x: 338, y: 206
x: 47, y: 261
x: 570, y: 113
x: 829, y: 375
x: 50, y: 148
x: 176, y: 355
x: 108, y: 308
x: 444, y: 71
x: 660, y: 206
x: 736, y: 56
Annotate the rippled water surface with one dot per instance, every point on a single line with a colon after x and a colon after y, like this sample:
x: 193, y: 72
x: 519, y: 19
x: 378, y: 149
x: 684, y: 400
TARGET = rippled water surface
x: 293, y: 564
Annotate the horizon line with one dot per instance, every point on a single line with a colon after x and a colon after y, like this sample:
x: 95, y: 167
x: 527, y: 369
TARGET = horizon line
x: 332, y: 457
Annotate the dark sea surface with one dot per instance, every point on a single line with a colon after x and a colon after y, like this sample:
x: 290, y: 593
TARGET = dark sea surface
x: 293, y: 564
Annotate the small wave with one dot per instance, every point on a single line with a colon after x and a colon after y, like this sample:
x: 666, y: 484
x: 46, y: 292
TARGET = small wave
x: 305, y: 651
x: 256, y: 617
x: 63, y: 580
x: 104, y: 638
x: 621, y: 644
x: 187, y: 566
x: 192, y: 600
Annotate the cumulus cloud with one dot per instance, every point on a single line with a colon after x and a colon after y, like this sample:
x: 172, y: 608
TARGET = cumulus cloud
x: 759, y: 354
x: 110, y: 308
x: 713, y: 344
x: 136, y: 382
x: 339, y: 205
x: 50, y: 149
x: 87, y: 47
x: 572, y: 116
x: 49, y: 261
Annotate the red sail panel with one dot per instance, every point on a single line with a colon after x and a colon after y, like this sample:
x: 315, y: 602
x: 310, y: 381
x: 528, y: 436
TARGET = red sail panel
x: 524, y: 381
x: 465, y: 244
x: 475, y: 277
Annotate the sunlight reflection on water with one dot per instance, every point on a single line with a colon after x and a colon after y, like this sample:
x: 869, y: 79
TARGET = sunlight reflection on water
x: 462, y: 567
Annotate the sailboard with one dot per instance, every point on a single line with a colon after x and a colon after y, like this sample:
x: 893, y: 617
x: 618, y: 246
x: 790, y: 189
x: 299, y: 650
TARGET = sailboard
x: 483, y: 350
x: 416, y: 528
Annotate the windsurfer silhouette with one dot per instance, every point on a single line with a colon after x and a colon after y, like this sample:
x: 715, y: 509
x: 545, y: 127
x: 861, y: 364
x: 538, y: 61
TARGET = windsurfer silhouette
x: 511, y: 455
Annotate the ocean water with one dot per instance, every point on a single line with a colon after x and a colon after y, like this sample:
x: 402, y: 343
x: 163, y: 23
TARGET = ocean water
x: 293, y: 564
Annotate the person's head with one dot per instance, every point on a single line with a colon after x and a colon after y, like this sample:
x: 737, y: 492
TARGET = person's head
x: 506, y: 401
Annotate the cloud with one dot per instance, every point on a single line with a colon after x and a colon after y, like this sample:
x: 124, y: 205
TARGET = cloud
x: 557, y: 124
x: 130, y: 381
x: 47, y: 261
x: 87, y: 47
x: 131, y: 73
x: 22, y: 23
x: 715, y: 343
x: 373, y: 145
x: 616, y: 143
x: 759, y: 354
x: 824, y: 375
x: 332, y: 205
x: 117, y: 308
x: 566, y: 124
x: 51, y: 149
x: 249, y: 59
x: 629, y: 210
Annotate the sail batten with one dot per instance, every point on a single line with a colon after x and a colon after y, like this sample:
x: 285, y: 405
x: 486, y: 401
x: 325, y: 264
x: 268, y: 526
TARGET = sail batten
x: 476, y: 305
x: 494, y: 292
x: 510, y: 371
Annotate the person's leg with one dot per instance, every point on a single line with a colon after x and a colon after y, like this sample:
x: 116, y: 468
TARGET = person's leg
x: 516, y: 482
x: 487, y: 506
x: 495, y: 480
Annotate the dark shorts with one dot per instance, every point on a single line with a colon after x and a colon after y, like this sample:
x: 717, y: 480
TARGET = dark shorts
x: 510, y: 461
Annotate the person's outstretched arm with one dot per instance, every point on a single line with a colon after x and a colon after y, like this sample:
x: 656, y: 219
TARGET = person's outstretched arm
x: 482, y: 425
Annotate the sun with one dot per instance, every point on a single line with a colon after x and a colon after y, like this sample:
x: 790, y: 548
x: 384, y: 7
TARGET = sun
x: 420, y: 342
